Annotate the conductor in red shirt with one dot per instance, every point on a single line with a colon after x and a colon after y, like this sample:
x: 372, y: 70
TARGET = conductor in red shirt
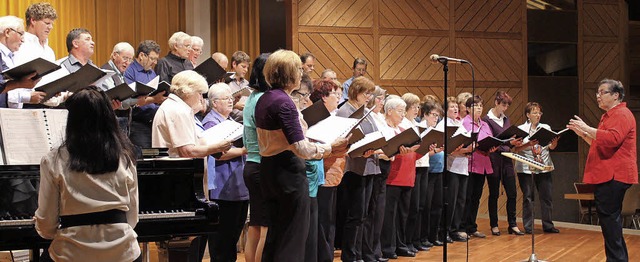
x: 611, y: 162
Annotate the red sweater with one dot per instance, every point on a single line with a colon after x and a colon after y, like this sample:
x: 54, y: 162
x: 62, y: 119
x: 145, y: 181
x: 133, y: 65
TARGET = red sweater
x: 403, y: 170
x: 612, y: 154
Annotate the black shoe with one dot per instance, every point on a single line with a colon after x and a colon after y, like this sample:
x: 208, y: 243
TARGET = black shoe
x: 457, y: 237
x: 449, y: 240
x: 515, y: 230
x: 403, y: 253
x: 383, y: 259
x: 438, y: 243
x: 426, y: 243
x: 389, y: 256
x: 413, y: 249
x: 552, y: 230
x: 495, y: 232
x: 528, y: 231
x: 423, y: 248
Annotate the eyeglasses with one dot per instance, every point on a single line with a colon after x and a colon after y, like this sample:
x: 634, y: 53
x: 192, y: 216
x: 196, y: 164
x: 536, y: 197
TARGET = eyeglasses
x: 229, y: 98
x: 303, y: 95
x: 151, y: 58
x: 602, y: 92
x: 20, y: 33
x: 436, y: 115
x: 401, y: 111
x: 414, y: 107
x: 536, y: 113
x: 127, y: 59
x: 336, y: 93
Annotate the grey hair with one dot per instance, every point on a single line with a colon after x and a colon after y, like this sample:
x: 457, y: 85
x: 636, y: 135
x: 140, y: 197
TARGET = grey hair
x: 178, y: 38
x: 615, y: 86
x: 11, y: 22
x: 326, y: 71
x: 196, y: 40
x: 394, y: 102
x: 217, y: 90
x: 122, y: 47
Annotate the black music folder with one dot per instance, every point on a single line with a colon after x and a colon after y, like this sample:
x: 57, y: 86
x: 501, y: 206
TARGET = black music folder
x: 488, y: 142
x: 162, y: 87
x: 359, y: 113
x: 356, y: 135
x: 229, y: 77
x: 40, y: 66
x: 462, y: 138
x: 72, y: 82
x: 211, y: 71
x: 407, y: 138
x: 544, y: 136
x: 513, y: 130
x: 372, y: 141
x: 429, y: 137
x: 121, y: 92
x: 315, y: 113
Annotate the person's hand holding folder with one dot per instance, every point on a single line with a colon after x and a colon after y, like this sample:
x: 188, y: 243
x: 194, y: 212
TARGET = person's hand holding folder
x: 24, y: 82
x: 37, y: 97
x: 340, y: 145
x: 407, y: 150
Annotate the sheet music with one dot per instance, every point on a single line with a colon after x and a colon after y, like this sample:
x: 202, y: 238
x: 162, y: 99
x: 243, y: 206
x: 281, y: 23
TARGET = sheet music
x: 57, y: 121
x: 55, y: 75
x: 329, y: 129
x: 24, y: 137
x: 227, y: 130
x: 108, y: 74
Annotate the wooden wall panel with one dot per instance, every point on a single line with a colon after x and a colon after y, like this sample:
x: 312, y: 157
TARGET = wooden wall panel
x: 493, y: 59
x: 414, y: 14
x: 402, y: 57
x: 602, y: 60
x: 110, y: 22
x: 601, y: 19
x: 337, y: 52
x: 335, y: 13
x: 489, y: 16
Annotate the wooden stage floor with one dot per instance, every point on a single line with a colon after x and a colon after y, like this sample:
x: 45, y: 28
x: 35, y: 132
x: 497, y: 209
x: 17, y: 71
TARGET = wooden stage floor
x: 575, y: 242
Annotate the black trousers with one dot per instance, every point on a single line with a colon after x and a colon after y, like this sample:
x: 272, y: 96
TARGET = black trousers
x: 457, y: 199
x: 373, y: 223
x: 433, y: 207
x: 286, y: 191
x: 311, y: 247
x: 327, y: 197
x: 502, y: 171
x: 222, y: 243
x: 543, y: 183
x: 416, y: 219
x: 474, y: 192
x: 395, y: 220
x: 358, y: 192
x: 140, y: 134
x: 609, y: 197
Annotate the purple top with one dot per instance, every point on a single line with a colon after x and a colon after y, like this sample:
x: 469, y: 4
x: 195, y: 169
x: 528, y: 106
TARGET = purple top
x: 496, y: 157
x: 276, y: 111
x: 479, y: 163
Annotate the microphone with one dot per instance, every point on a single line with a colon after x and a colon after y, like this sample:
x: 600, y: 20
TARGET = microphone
x: 443, y: 59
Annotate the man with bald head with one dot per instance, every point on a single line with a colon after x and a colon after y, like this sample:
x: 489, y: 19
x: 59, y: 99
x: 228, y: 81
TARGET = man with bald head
x: 221, y: 59
x: 121, y: 58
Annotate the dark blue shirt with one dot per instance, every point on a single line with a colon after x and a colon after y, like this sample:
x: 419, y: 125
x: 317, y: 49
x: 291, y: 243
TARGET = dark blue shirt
x: 136, y: 73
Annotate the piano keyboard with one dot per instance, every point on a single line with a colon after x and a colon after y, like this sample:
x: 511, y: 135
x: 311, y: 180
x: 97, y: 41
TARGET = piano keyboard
x: 530, y: 162
x: 165, y: 214
x: 16, y: 222
x: 142, y: 216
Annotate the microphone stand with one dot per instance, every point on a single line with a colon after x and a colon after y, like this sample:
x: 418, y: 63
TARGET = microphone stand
x: 445, y: 180
x: 533, y: 257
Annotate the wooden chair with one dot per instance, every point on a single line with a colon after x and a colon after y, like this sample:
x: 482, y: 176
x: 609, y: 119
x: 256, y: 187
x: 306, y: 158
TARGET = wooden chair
x: 583, y: 205
x: 631, y: 207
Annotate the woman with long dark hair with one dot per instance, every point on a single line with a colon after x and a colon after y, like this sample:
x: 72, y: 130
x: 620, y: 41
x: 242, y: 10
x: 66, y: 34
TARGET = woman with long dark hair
x: 88, y: 200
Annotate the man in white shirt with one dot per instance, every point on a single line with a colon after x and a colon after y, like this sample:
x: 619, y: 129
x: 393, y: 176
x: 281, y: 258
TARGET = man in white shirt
x: 11, y: 32
x: 40, y: 18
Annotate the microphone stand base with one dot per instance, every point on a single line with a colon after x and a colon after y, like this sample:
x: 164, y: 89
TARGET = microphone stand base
x: 533, y: 258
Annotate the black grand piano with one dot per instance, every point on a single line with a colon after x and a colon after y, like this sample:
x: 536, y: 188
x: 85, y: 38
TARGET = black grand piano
x: 171, y: 203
